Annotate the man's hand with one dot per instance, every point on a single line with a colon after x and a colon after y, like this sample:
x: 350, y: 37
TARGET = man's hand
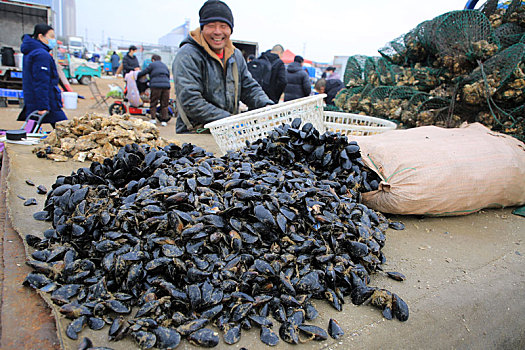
x: 42, y: 112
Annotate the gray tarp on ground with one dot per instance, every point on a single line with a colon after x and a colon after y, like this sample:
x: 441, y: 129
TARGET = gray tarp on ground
x: 465, y: 278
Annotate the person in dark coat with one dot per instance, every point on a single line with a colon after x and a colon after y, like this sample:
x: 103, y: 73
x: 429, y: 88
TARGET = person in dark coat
x: 40, y: 77
x: 278, y: 73
x: 210, y: 74
x: 330, y: 87
x: 115, y: 62
x: 298, y: 82
x: 130, y: 61
x: 159, y: 83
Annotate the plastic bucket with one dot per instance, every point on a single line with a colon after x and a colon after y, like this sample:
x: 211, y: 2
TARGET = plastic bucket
x: 70, y: 100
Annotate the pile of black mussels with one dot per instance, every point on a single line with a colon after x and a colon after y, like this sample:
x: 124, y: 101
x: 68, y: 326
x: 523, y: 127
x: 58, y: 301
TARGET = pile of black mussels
x: 160, y: 244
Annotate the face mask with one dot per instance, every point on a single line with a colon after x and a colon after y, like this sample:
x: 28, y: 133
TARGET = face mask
x: 52, y: 43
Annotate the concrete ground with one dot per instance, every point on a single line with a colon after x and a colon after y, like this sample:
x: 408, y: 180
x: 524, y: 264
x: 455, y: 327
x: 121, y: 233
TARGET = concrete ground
x: 465, y: 282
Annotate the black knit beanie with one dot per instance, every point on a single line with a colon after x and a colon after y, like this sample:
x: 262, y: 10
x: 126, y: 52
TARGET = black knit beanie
x: 213, y: 11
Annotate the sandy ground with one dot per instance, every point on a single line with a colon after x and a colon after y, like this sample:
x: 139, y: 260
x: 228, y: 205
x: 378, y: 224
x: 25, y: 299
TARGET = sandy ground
x: 465, y: 279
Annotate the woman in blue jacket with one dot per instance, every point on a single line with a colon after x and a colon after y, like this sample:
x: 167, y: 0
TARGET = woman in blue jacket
x: 40, y: 76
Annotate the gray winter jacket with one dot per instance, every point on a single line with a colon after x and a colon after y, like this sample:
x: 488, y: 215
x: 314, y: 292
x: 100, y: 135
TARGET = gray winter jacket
x: 205, y: 90
x: 159, y: 75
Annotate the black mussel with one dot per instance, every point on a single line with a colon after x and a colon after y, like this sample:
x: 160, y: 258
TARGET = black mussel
x: 75, y: 327
x: 314, y: 332
x: 32, y: 240
x: 398, y: 276
x: 30, y: 201
x: 334, y: 329
x: 146, y: 340
x: 289, y: 333
x: 41, y: 189
x: 269, y: 337
x: 232, y: 334
x: 167, y: 338
x: 96, y: 323
x: 192, y: 326
x: 399, y: 308
x: 204, y: 337
x: 396, y: 225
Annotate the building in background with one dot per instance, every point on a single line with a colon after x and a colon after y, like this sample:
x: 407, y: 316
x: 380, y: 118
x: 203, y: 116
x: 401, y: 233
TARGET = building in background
x: 68, y: 16
x: 177, y: 34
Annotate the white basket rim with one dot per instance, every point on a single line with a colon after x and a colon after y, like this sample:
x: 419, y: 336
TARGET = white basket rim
x: 274, y: 108
x: 385, y: 123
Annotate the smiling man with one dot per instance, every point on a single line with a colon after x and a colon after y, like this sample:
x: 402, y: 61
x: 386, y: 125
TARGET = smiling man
x: 210, y: 74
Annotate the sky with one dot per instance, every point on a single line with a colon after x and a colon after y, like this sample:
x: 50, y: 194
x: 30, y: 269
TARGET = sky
x: 317, y: 30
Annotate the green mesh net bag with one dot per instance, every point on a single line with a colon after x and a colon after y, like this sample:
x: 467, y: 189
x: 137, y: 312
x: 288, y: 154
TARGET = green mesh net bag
x: 354, y: 70
x: 466, y: 32
x: 489, y: 7
x: 402, y: 93
x: 509, y: 34
x: 500, y: 67
x: 380, y: 93
x: 395, y: 51
x: 370, y: 71
x: 384, y: 71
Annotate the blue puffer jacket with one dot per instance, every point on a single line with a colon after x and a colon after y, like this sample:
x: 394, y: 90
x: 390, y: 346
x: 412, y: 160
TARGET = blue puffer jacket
x: 40, y: 81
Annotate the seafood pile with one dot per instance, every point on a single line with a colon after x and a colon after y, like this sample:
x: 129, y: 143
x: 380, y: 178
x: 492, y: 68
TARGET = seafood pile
x: 462, y: 66
x: 161, y: 244
x: 93, y: 137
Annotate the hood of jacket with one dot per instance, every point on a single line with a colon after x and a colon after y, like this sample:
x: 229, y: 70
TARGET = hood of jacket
x: 29, y: 44
x: 196, y: 38
x: 270, y: 56
x: 294, y: 67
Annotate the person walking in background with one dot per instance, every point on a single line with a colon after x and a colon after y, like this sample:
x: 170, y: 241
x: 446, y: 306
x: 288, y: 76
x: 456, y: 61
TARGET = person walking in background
x: 210, y: 74
x: 298, y: 82
x: 250, y: 58
x: 40, y: 77
x: 330, y: 87
x: 130, y: 61
x: 159, y: 83
x: 331, y: 74
x: 277, y: 75
x: 115, y: 62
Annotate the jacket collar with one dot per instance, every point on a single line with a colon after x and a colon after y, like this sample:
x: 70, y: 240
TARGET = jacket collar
x: 196, y: 35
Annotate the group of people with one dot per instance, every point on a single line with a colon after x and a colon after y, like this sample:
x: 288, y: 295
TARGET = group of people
x: 211, y: 76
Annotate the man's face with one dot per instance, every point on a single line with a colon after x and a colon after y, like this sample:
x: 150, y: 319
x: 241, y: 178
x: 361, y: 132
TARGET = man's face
x: 216, y: 34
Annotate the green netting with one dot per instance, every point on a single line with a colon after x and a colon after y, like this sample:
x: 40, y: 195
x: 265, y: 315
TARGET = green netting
x: 509, y: 34
x: 522, y: 40
x: 459, y: 30
x: 380, y: 93
x: 384, y: 69
x: 365, y: 93
x: 426, y: 32
x: 370, y: 71
x: 354, y: 69
x: 419, y: 98
x: 489, y: 7
x: 436, y: 103
x: 402, y: 92
x: 395, y: 51
x: 500, y: 66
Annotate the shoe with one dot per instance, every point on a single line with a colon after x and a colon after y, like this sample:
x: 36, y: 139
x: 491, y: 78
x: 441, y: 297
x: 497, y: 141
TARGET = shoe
x: 164, y: 124
x: 153, y: 121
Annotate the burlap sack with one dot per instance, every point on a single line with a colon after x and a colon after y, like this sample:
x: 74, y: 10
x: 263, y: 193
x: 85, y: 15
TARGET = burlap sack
x: 436, y: 171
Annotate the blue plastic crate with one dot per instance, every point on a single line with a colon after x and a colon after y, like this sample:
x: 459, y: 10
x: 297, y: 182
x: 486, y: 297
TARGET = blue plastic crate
x: 9, y: 93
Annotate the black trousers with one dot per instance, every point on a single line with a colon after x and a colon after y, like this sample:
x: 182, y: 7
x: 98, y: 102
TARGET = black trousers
x: 162, y: 95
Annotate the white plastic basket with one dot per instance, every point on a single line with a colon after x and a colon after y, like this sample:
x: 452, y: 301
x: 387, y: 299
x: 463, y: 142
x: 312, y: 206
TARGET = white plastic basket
x: 232, y: 133
x: 355, y: 124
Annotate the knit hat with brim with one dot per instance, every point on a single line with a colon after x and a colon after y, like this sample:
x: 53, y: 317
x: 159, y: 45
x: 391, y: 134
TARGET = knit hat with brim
x: 215, y: 11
